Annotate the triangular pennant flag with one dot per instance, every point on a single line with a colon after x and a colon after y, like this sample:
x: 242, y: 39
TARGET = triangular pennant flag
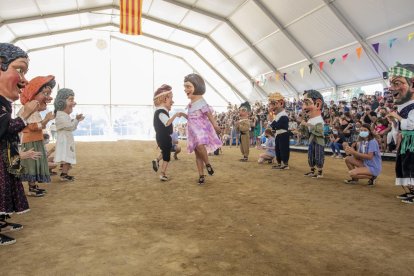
x: 344, y: 57
x: 284, y: 76
x: 376, y: 47
x: 359, y: 52
x: 410, y: 36
x: 331, y: 61
x: 310, y: 68
x: 321, y: 65
x: 302, y: 71
x: 277, y: 76
x: 130, y: 17
x: 391, y: 42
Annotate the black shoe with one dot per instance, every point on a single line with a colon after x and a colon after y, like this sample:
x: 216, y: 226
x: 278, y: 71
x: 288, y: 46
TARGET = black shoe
x: 6, y: 240
x: 155, y: 165
x: 311, y: 173
x: 201, y: 180
x: 209, y: 169
x: 39, y: 189
x: 372, y: 181
x: 35, y: 192
x: 9, y: 226
x: 318, y: 175
x: 405, y: 196
x: 408, y: 200
x: 66, y: 177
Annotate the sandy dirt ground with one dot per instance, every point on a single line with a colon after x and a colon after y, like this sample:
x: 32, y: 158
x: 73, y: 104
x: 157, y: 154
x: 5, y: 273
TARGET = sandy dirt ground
x: 117, y: 218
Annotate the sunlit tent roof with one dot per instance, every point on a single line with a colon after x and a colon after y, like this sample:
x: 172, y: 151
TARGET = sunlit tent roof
x: 245, y: 49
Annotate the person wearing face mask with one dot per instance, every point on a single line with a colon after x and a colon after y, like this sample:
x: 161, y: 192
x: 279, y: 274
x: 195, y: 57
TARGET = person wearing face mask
x: 365, y: 162
x: 14, y: 63
x: 401, y: 78
x: 336, y: 140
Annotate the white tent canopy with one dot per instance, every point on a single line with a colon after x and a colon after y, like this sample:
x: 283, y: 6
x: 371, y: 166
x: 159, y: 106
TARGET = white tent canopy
x: 245, y: 49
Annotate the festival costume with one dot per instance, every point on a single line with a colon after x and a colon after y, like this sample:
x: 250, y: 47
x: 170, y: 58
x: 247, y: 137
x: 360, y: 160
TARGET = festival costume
x: 200, y: 131
x: 12, y: 196
x: 244, y: 129
x: 316, y: 150
x: 163, y: 134
x: 282, y: 146
x: 404, y: 166
x: 65, y: 142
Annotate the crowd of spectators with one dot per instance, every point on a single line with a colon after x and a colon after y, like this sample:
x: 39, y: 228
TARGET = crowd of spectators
x: 343, y: 120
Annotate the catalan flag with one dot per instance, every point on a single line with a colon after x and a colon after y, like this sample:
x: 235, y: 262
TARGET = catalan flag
x: 131, y: 13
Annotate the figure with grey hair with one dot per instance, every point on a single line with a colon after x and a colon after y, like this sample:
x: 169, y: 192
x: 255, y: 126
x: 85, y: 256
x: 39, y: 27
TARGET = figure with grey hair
x: 65, y: 153
x: 14, y: 64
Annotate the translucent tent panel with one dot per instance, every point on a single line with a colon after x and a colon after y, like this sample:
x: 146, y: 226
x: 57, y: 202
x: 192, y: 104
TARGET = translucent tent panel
x: 279, y: 50
x: 230, y: 73
x: 286, y: 12
x: 46, y: 40
x: 251, y: 62
x: 185, y: 38
x: 154, y: 28
x: 402, y: 49
x: 248, y: 90
x: 63, y: 22
x: 86, y: 72
x: 132, y: 71
x: 95, y: 18
x: 199, y: 22
x: 167, y: 11
x: 40, y: 65
x: 24, y: 29
x: 85, y: 4
x: 278, y: 85
x: 6, y: 35
x: 220, y: 7
x: 51, y: 6
x: 19, y: 8
x: 209, y: 52
x: 132, y: 122
x: 229, y: 41
x: 257, y: 27
x: 320, y: 31
x: 383, y: 15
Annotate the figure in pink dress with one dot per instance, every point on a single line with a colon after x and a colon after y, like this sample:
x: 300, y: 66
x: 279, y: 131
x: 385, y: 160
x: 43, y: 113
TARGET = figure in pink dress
x: 202, y: 128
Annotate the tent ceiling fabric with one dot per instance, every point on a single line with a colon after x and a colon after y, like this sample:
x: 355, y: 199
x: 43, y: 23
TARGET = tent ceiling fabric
x: 237, y: 42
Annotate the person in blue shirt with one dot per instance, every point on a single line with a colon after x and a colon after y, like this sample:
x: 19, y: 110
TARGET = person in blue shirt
x: 365, y: 162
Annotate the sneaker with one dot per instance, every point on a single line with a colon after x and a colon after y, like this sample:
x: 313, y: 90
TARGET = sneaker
x: 6, y: 240
x: 311, y: 173
x: 163, y: 178
x: 8, y: 227
x: 318, y: 175
x: 276, y: 167
x: 405, y: 196
x: 350, y: 181
x: 282, y: 167
x: 201, y: 180
x: 66, y: 177
x: 243, y: 159
x: 155, y: 165
x: 408, y: 200
x: 372, y: 181
x: 339, y: 157
x: 35, y: 193
x: 39, y: 189
x: 209, y: 169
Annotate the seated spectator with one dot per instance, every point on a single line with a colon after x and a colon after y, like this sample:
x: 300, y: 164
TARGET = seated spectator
x: 364, y: 163
x: 50, y: 150
x: 336, y: 139
x: 270, y: 153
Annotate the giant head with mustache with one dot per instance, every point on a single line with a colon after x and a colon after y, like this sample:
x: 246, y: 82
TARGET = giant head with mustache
x: 401, y: 78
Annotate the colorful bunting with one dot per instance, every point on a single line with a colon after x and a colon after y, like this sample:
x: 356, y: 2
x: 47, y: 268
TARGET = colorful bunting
x: 302, y: 71
x: 410, y: 36
x: 310, y: 68
x: 321, y: 65
x: 359, y: 52
x: 391, y: 42
x: 130, y: 17
x: 277, y: 76
x: 344, y: 57
x: 376, y: 47
x: 284, y: 76
x: 331, y: 61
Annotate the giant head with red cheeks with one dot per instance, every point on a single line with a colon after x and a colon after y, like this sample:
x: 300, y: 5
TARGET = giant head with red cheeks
x: 401, y: 79
x: 312, y: 104
x: 14, y: 63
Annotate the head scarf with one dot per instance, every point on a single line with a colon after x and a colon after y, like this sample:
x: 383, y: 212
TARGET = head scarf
x: 61, y: 97
x: 9, y: 53
x: 35, y: 86
x: 163, y: 90
x: 400, y: 70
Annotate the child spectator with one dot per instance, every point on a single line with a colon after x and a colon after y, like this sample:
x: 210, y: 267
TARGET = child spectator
x: 65, y: 125
x: 366, y: 161
x: 270, y: 153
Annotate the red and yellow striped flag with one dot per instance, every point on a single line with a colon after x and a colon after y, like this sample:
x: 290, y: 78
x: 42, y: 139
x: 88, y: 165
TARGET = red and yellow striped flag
x: 131, y: 13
